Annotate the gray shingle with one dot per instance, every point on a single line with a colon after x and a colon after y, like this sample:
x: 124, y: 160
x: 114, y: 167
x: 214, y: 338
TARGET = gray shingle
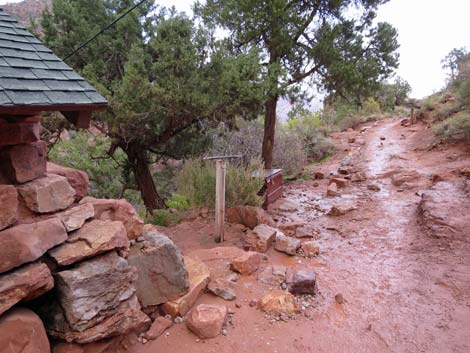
x: 31, y: 74
x: 57, y: 85
x: 23, y: 85
x: 15, y: 72
x: 59, y: 97
x: 33, y: 64
x: 28, y: 97
x: 4, y: 100
x: 49, y: 74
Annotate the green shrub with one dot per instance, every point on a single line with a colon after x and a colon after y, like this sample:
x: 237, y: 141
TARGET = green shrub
x: 464, y: 91
x: 164, y: 218
x: 196, y: 182
x: 455, y: 129
x: 178, y: 202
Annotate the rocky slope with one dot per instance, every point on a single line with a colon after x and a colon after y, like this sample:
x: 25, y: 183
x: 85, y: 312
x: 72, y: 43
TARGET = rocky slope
x: 27, y: 10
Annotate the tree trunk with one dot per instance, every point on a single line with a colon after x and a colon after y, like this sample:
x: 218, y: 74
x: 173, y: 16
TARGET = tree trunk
x: 269, y: 131
x: 143, y: 178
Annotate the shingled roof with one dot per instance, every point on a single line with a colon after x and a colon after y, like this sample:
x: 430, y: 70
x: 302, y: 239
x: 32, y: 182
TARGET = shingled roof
x: 33, y: 79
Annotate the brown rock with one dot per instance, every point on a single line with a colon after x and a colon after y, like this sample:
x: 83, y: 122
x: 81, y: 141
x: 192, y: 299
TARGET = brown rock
x: 279, y: 302
x: 291, y: 227
x: 340, y: 182
x: 160, y: 325
x: 406, y: 176
x: 26, y: 162
x: 248, y: 263
x: 207, y: 321
x: 222, y: 287
x: 249, y: 216
x: 358, y: 177
x: 286, y: 244
x: 19, y: 133
x: 49, y: 194
x: 273, y: 275
x: 161, y: 269
x: 23, y: 284
x: 94, y: 238
x: 9, y: 206
x: 340, y: 210
x: 22, y: 331
x: 373, y: 187
x: 310, y: 249
x: 302, y: 281
x: 332, y: 190
x: 77, y: 179
x: 74, y: 218
x: 199, y: 277
x: 304, y: 232
x: 28, y: 242
x: 117, y: 210
x: 260, y: 238
x: 318, y: 175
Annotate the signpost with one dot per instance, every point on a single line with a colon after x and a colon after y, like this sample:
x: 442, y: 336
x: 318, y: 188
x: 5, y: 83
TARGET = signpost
x: 220, y: 170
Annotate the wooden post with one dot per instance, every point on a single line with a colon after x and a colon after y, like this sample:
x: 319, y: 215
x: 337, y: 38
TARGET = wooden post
x: 219, y: 200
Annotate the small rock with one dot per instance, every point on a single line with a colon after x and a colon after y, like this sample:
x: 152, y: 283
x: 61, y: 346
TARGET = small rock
x: 279, y: 302
x: 310, y: 248
x: 318, y: 175
x: 302, y: 281
x: 206, y: 321
x: 341, y: 210
x: 160, y: 325
x: 286, y: 244
x: 248, y: 263
x: 332, y: 190
x: 382, y: 138
x: 339, y: 298
x: 373, y: 187
x: 260, y: 238
x: 253, y: 303
x: 340, y: 182
x: 223, y: 288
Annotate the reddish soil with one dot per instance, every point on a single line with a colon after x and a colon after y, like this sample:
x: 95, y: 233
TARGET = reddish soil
x: 403, y: 290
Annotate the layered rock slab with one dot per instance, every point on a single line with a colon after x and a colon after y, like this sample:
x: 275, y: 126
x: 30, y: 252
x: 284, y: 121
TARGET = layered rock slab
x: 28, y: 242
x: 94, y: 238
x: 117, y: 210
x: 25, y: 162
x: 9, y: 205
x: 22, y: 331
x: 74, y: 218
x: 249, y: 216
x: 161, y: 269
x: 23, y: 284
x: 48, y: 194
x: 260, y: 238
x: 77, y: 179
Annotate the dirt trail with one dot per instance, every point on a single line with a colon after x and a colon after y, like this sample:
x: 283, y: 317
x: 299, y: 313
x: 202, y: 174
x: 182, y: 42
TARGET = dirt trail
x: 404, y: 291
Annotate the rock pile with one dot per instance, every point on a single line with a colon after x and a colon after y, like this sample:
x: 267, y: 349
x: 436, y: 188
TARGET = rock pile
x: 94, y: 253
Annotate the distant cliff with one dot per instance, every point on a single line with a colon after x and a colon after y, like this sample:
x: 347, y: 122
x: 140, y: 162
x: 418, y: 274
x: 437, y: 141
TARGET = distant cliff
x: 27, y: 10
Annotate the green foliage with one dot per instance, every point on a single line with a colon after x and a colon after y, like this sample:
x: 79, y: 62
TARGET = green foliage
x: 196, y: 182
x: 311, y: 130
x: 164, y: 218
x: 455, y: 129
x: 178, y: 202
x: 88, y: 153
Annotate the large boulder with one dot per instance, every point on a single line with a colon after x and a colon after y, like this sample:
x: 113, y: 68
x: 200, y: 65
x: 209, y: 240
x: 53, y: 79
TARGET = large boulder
x: 26, y: 162
x: 96, y: 299
x: 9, y: 205
x: 77, y: 179
x: 199, y: 277
x: 160, y: 265
x: 260, y: 238
x: 22, y: 331
x: 49, y: 194
x: 117, y: 210
x: 18, y: 133
x: 28, y: 242
x: 23, y: 284
x: 94, y: 238
x: 207, y: 321
x: 249, y: 216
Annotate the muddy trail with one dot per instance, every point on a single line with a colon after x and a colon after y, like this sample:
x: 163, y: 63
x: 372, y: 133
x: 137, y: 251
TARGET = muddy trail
x: 398, y: 288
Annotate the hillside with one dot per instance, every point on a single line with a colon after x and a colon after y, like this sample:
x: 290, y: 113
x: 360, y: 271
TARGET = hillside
x: 27, y: 10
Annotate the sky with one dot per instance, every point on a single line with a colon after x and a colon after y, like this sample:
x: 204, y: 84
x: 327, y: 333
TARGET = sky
x: 427, y: 29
